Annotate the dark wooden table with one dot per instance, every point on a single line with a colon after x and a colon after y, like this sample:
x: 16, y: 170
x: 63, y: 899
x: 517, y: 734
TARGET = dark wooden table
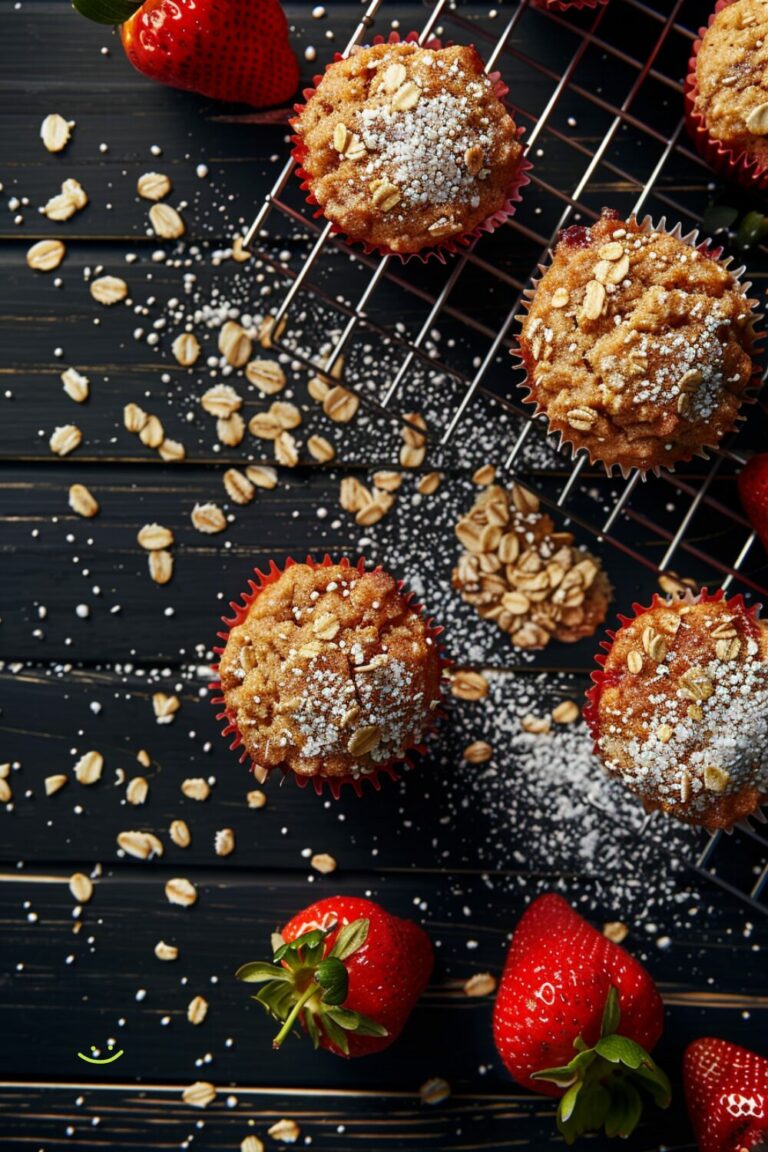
x: 86, y: 640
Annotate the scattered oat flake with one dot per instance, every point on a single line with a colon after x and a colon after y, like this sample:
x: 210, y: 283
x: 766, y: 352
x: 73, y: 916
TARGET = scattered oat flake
x: 81, y: 887
x: 224, y: 842
x: 65, y: 439
x: 287, y: 1131
x: 54, y: 783
x: 322, y: 862
x: 481, y: 984
x: 251, y: 1143
x: 208, y: 518
x: 46, y: 255
x: 141, y: 845
x: 108, y: 290
x: 165, y: 951
x: 180, y: 834
x: 165, y: 707
x: 166, y: 222
x: 434, y: 1091
x: 89, y: 767
x: 75, y: 384
x: 55, y: 132
x: 180, y: 891
x: 197, y: 1010
x: 153, y: 186
x: 137, y: 790
x: 82, y: 501
x: 256, y: 798
x: 200, y: 1094
x: 196, y: 788
x: 616, y: 931
x: 153, y: 536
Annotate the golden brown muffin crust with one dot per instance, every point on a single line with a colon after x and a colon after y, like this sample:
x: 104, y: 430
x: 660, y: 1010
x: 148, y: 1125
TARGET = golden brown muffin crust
x: 637, y: 346
x: 407, y: 146
x: 732, y: 78
x: 331, y: 673
x: 683, y: 712
x: 521, y: 572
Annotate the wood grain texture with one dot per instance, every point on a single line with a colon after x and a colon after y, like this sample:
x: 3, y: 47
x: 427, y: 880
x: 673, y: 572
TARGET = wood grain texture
x: 462, y: 852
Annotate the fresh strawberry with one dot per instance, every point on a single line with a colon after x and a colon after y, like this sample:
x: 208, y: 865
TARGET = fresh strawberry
x: 726, y: 1090
x: 576, y: 1016
x: 753, y: 490
x: 236, y: 50
x: 348, y: 971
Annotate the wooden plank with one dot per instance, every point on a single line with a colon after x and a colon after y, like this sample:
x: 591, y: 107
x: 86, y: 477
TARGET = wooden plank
x: 334, y: 1122
x: 68, y: 988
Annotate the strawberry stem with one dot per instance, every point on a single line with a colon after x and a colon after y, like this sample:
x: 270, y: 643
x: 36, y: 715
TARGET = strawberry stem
x: 293, y: 1015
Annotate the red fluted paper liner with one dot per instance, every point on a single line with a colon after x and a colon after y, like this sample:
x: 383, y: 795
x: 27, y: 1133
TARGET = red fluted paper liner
x: 732, y: 162
x: 444, y: 248
x: 240, y: 610
x: 567, y: 5
x: 591, y: 709
x: 706, y: 248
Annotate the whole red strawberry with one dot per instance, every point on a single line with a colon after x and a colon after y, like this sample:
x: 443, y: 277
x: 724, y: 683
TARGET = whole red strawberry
x: 236, y: 50
x: 726, y: 1090
x: 753, y: 490
x: 576, y: 1016
x: 348, y: 971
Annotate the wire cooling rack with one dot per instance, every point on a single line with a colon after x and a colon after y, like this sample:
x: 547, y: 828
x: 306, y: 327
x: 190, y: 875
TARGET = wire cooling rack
x: 622, y: 145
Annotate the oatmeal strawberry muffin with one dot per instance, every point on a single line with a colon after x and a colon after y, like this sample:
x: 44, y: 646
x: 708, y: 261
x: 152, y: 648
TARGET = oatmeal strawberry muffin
x: 330, y: 673
x: 637, y: 345
x: 404, y: 148
x: 679, y: 710
x: 726, y: 92
x: 519, y: 571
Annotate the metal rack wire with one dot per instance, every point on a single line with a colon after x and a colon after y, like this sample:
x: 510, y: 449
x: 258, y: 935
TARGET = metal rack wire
x: 638, y: 84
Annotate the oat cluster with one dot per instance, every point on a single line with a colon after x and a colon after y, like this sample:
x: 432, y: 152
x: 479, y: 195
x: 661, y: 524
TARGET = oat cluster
x: 682, y: 716
x: 637, y: 345
x: 408, y: 146
x: 732, y: 78
x: 519, y: 571
x: 332, y: 673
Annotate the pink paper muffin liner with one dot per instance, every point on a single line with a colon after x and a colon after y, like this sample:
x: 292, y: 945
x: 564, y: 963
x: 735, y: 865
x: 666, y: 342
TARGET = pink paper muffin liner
x: 444, y: 248
x: 736, y: 164
x: 591, y: 708
x: 230, y: 731
x: 707, y: 248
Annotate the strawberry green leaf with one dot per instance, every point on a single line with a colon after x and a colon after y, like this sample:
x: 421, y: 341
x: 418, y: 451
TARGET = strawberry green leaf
x: 257, y: 972
x: 611, y: 1013
x: 300, y: 944
x: 568, y: 1074
x: 350, y: 938
x: 655, y: 1081
x: 569, y: 1102
x: 277, y: 997
x: 344, y: 1018
x: 312, y: 1029
x: 334, y: 1032
x: 107, y: 11
x: 625, y: 1110
x: 332, y: 977
x: 368, y: 1027
x: 621, y: 1050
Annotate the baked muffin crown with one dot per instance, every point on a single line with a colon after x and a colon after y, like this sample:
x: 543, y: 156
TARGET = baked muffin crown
x: 732, y: 78
x: 405, y: 147
x: 680, y: 709
x: 637, y: 345
x: 331, y: 673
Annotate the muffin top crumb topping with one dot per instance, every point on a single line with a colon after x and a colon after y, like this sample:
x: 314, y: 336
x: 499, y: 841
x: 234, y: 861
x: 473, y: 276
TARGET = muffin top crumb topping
x: 331, y: 673
x: 637, y: 345
x: 682, y: 709
x: 732, y: 77
x: 408, y: 146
